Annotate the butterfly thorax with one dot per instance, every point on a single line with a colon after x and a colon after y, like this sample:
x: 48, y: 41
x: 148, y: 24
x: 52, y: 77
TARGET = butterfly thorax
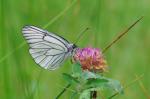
x: 71, y: 47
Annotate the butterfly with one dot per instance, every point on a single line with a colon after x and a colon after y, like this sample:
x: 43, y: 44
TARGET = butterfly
x: 47, y: 49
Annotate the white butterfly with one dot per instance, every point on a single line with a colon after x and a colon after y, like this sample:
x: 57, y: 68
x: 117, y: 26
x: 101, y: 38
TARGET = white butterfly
x: 48, y: 50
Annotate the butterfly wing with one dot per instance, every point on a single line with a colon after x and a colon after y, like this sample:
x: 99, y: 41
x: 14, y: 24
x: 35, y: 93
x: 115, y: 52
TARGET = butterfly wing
x: 47, y: 49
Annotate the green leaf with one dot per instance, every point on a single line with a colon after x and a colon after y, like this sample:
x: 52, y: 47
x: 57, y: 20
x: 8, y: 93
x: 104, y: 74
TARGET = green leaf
x: 102, y: 83
x: 115, y: 85
x: 87, y: 75
x: 70, y: 78
x: 76, y: 70
x: 73, y: 95
x: 85, y: 95
x: 96, y: 82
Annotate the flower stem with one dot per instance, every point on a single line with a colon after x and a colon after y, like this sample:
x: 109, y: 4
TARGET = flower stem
x: 58, y: 96
x: 93, y: 94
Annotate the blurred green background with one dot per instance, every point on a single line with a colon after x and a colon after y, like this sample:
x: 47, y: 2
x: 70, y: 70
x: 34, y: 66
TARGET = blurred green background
x: 22, y: 78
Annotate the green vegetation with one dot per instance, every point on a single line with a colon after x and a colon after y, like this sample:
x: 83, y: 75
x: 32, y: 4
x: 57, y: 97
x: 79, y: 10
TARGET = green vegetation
x: 22, y: 78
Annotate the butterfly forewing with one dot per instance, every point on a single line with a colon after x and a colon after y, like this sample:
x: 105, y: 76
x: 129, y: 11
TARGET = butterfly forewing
x: 47, y: 49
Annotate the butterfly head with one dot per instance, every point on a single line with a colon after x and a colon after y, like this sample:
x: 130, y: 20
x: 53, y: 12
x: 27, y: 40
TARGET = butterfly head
x: 74, y: 46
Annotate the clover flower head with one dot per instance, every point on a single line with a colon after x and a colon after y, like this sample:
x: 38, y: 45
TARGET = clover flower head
x: 91, y: 59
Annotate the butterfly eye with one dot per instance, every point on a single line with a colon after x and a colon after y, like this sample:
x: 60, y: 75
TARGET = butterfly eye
x: 74, y: 46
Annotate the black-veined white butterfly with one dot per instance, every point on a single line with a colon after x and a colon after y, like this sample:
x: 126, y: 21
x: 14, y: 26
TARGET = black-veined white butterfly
x: 47, y: 49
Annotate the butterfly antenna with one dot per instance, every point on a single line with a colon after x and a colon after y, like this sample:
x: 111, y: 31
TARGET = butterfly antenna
x: 121, y: 35
x: 81, y: 35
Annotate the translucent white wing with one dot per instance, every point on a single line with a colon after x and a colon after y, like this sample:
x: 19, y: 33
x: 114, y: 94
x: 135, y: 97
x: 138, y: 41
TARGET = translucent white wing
x: 47, y: 49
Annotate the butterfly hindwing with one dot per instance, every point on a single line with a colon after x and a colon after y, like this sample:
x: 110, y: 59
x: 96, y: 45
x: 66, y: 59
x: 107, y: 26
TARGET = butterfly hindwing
x: 47, y: 49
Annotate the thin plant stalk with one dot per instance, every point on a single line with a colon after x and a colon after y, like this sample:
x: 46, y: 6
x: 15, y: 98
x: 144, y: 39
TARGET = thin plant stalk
x: 146, y: 93
x: 57, y: 97
x: 121, y: 35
